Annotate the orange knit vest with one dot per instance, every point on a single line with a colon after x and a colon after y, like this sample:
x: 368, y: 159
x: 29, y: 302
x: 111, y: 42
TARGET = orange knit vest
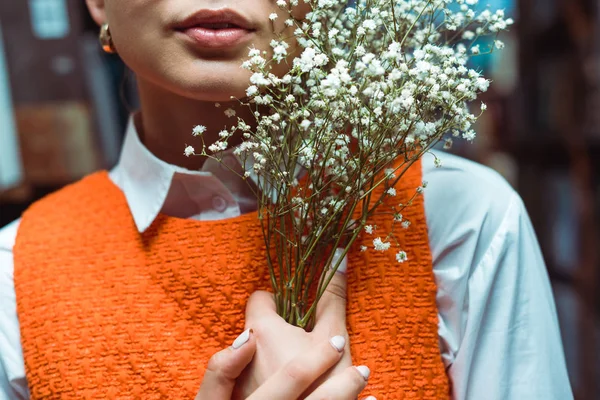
x: 108, y: 313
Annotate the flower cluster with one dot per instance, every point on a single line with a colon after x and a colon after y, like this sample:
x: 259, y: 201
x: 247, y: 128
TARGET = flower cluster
x: 376, y: 82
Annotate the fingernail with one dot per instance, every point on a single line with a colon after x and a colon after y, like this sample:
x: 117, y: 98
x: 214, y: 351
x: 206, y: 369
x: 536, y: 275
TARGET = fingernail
x: 242, y: 339
x: 336, y: 257
x: 364, y: 371
x: 338, y: 342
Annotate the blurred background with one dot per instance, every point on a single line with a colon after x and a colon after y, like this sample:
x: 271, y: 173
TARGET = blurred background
x: 64, y: 104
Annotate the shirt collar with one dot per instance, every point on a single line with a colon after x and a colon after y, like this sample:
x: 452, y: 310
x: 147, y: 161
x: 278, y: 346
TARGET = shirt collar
x: 145, y: 179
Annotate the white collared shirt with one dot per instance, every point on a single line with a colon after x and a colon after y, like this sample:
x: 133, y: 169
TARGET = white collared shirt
x: 498, y: 329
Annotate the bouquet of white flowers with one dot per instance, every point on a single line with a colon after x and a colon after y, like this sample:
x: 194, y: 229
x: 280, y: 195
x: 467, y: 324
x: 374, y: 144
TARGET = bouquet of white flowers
x: 376, y: 84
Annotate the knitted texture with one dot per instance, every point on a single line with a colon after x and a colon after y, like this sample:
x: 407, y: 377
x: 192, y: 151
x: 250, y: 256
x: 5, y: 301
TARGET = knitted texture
x: 108, y: 313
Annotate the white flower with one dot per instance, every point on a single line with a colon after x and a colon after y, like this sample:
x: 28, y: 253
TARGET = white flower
x: 380, y: 245
x: 406, y: 224
x: 254, y: 53
x: 224, y: 134
x: 363, y: 248
x: 391, y: 191
x: 198, y: 130
x: 310, y: 59
x: 468, y: 35
x: 369, y: 24
x: 401, y: 257
x: 469, y: 135
x: 482, y: 84
x: 259, y: 79
x: 499, y: 44
x: 448, y: 142
x: 266, y: 99
x: 217, y: 105
x: 280, y: 52
x: 230, y: 112
x: 189, y: 151
x: 273, y: 16
x: 251, y: 91
x: 218, y: 146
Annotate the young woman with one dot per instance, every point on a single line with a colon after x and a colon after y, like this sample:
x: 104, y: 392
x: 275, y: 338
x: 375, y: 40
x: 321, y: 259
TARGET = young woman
x: 124, y: 284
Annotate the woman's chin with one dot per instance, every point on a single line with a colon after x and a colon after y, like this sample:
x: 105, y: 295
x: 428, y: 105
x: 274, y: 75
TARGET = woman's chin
x: 216, y: 90
x: 218, y: 96
x: 218, y: 93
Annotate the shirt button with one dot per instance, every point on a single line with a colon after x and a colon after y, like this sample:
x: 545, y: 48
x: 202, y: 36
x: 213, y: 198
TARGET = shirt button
x: 219, y: 203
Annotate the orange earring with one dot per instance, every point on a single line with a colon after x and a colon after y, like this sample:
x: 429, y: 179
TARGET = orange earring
x: 106, y: 40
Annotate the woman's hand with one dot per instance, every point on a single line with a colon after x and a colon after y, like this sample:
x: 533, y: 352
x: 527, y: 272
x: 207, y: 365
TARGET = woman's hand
x: 289, y: 382
x: 278, y: 343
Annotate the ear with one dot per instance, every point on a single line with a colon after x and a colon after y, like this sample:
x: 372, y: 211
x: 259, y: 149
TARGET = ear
x: 97, y: 10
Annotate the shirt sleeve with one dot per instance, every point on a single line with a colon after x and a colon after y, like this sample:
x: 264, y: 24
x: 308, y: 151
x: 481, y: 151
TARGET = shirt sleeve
x: 511, y: 346
x: 13, y: 385
x: 498, y: 328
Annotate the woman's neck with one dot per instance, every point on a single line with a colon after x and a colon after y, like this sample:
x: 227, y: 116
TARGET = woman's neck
x: 166, y: 121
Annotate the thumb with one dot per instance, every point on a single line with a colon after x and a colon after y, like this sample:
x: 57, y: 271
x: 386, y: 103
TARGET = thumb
x: 331, y: 309
x: 225, y: 367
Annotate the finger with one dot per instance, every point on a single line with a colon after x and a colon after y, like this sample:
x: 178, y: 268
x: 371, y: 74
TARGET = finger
x: 331, y: 308
x: 343, y: 386
x: 296, y: 376
x: 225, y: 367
x: 259, y: 304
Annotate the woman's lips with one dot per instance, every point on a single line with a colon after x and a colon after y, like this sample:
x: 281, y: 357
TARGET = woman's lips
x: 216, y: 38
x: 216, y: 29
